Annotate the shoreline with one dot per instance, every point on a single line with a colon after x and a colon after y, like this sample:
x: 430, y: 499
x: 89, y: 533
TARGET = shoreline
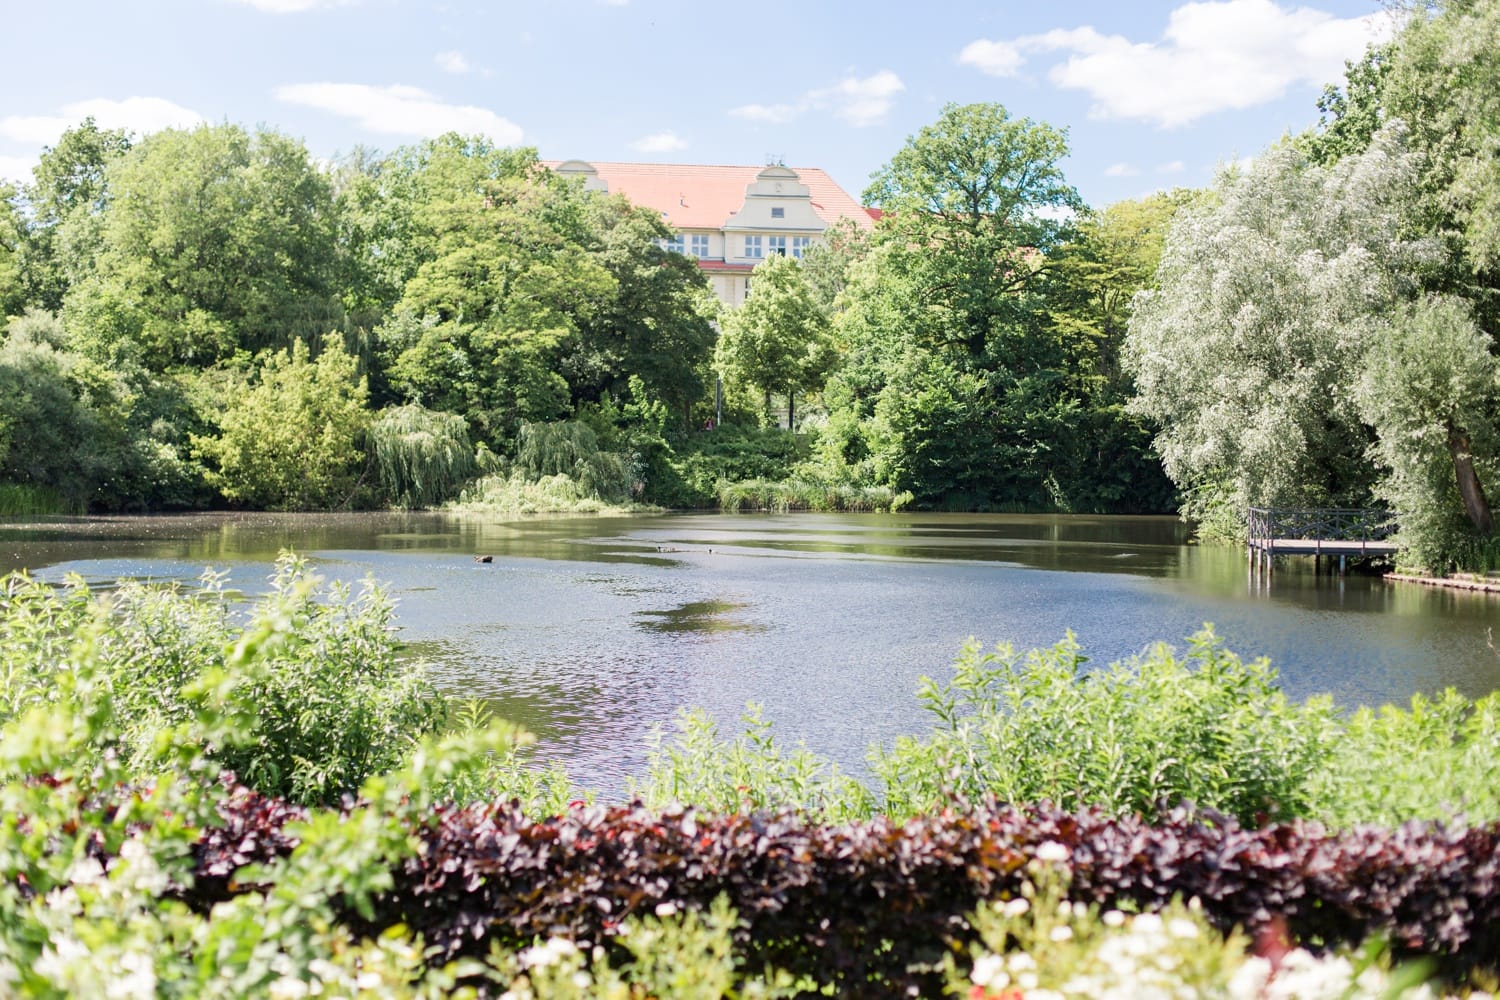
x: 1475, y: 585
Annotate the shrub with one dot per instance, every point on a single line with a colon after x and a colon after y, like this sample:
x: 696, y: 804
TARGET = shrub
x: 748, y: 773
x: 312, y: 682
x: 1146, y: 733
x: 871, y: 908
x: 291, y: 441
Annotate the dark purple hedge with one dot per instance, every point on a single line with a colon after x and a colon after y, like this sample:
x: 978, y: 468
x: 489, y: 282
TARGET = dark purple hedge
x: 864, y: 904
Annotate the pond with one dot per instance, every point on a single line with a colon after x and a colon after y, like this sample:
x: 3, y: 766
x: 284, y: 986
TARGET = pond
x: 592, y: 630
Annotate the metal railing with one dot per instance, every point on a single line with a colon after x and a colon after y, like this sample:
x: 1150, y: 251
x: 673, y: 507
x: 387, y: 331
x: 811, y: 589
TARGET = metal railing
x: 1327, y: 524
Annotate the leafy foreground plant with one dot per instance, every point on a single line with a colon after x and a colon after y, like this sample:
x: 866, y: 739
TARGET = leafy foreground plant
x: 1140, y: 737
x: 311, y: 693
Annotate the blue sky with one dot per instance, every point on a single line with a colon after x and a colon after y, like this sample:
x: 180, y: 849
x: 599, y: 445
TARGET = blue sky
x: 1153, y: 94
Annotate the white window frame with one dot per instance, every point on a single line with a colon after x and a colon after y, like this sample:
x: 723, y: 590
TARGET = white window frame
x: 775, y: 245
x: 754, y: 249
x: 800, y: 245
x: 698, y: 244
x: 778, y: 212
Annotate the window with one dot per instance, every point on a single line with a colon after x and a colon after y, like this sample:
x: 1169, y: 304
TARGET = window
x: 747, y: 288
x: 674, y: 244
x: 699, y: 244
x: 778, y: 244
x: 778, y: 213
x: 800, y: 245
x: 752, y: 247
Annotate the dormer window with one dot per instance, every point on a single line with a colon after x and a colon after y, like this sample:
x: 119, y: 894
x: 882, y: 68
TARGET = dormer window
x: 778, y: 213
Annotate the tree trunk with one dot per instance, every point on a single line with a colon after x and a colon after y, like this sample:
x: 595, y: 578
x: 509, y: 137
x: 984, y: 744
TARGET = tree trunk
x: 1469, y: 487
x: 791, y: 424
x: 768, y: 402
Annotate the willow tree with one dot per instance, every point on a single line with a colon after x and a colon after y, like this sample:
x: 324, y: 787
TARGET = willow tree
x: 1272, y: 291
x: 422, y: 457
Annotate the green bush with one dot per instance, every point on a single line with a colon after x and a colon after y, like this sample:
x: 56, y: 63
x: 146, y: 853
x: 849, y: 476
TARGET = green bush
x: 312, y: 681
x: 1148, y: 732
x: 291, y: 440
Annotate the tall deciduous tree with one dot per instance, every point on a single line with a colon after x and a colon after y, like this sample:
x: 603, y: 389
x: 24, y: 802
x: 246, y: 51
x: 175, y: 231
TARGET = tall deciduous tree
x: 1430, y: 389
x: 214, y: 241
x: 977, y: 199
x: 778, y: 341
x: 652, y: 326
x: 12, y: 235
x: 500, y: 278
x: 65, y: 202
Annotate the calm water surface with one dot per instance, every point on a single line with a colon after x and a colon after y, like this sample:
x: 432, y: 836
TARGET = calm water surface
x: 592, y: 630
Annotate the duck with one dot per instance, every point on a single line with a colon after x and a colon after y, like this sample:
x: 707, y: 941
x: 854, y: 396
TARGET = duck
x: 484, y: 559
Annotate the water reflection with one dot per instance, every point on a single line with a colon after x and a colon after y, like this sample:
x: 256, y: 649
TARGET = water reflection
x: 592, y: 630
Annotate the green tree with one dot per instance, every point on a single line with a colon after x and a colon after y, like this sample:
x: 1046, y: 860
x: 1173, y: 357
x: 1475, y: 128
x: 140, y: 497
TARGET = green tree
x: 501, y: 280
x: 778, y: 341
x: 653, y: 326
x: 945, y: 325
x: 291, y: 440
x: 423, y: 458
x: 1430, y: 390
x: 65, y: 202
x: 976, y: 200
x: 214, y: 241
x: 12, y: 237
x: 1271, y: 291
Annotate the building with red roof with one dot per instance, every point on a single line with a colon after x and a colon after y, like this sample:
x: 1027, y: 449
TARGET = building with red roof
x: 729, y: 218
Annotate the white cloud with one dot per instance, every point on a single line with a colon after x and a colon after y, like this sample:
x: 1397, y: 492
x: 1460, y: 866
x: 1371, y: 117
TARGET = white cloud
x: 660, y: 142
x: 1174, y: 167
x: 400, y: 110
x: 1214, y: 56
x: 293, y: 6
x: 1120, y: 170
x: 993, y: 58
x: 452, y: 61
x: 16, y: 168
x: 859, y: 102
x: 135, y: 114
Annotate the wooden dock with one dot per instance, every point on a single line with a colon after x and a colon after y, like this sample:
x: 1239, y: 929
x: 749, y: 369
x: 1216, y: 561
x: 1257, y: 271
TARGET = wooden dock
x: 1317, y: 532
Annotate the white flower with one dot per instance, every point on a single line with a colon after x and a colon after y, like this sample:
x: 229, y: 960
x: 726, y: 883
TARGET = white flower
x: 1178, y: 927
x: 1146, y: 923
x: 543, y: 955
x: 989, y: 971
x: 139, y: 979
x: 1021, y: 962
x: 1016, y: 907
x: 1028, y: 981
x: 1061, y: 933
x: 287, y: 988
x: 1053, y: 851
x: 666, y: 909
x: 86, y: 871
x: 1113, y: 918
x: 582, y: 980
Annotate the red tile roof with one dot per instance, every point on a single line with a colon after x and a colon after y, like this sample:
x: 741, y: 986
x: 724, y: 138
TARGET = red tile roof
x: 705, y: 197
